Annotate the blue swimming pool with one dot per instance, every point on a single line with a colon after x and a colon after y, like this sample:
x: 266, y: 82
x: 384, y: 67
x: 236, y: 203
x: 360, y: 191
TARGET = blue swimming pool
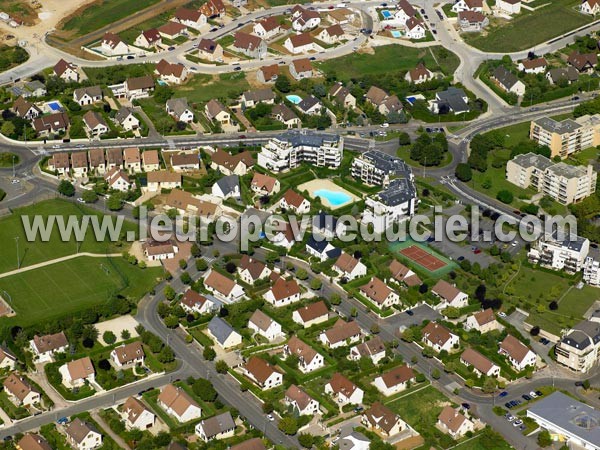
x: 396, y: 33
x: 386, y: 14
x: 162, y: 83
x: 54, y: 106
x: 335, y: 198
x: 295, y: 99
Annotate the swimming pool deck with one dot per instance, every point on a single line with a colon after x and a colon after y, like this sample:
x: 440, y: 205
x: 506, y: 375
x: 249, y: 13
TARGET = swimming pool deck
x: 315, y: 185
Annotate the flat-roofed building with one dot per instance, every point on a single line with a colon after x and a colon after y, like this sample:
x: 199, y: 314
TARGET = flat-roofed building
x: 568, y: 136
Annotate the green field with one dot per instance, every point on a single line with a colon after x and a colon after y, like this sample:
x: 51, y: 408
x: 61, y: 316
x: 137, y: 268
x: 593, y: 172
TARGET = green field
x: 12, y: 56
x: 530, y: 27
x: 6, y: 159
x: 387, y: 59
x: 71, y: 286
x: 101, y: 13
x: 38, y: 251
x: 202, y: 88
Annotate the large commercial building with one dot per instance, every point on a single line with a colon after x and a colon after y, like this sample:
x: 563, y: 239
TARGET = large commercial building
x: 568, y: 136
x: 292, y: 148
x: 578, y: 349
x: 568, y: 420
x: 377, y: 168
x: 564, y: 183
x: 568, y: 255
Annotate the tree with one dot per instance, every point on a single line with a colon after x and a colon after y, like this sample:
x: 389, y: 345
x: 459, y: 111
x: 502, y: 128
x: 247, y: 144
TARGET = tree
x: 283, y: 84
x: 166, y: 355
x: 403, y: 138
x: 169, y: 292
x: 182, y: 264
x: 505, y: 196
x: 268, y: 407
x: 186, y: 278
x: 335, y: 299
x: 489, y: 385
x: 301, y: 274
x: 201, y: 265
x: 171, y: 321
x: 435, y: 374
x: 195, y: 250
x: 115, y: 202
x: 230, y: 267
x: 66, y: 188
x: 221, y: 366
x: 534, y: 331
x: 89, y: 196
x: 374, y: 328
x: 109, y: 337
x: 409, y: 335
x: 209, y: 353
x: 306, y: 440
x: 8, y: 129
x: 205, y: 390
x: 315, y: 284
x: 544, y: 439
x: 553, y: 305
x: 463, y: 172
x: 125, y: 334
x: 586, y: 384
x: 288, y: 425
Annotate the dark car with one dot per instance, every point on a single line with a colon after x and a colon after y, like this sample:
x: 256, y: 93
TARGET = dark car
x: 237, y: 68
x: 539, y: 393
x: 242, y: 136
x: 434, y: 31
x: 526, y: 397
x: 130, y: 57
x: 465, y: 405
x: 410, y: 312
x: 579, y: 383
x: 312, y: 58
x: 460, y: 258
x: 508, y: 405
x: 503, y: 394
x: 213, y: 29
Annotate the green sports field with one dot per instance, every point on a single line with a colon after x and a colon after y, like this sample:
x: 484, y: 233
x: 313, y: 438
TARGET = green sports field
x: 395, y: 247
x: 74, y: 285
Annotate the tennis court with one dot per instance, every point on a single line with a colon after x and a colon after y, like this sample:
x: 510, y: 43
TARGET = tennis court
x: 422, y: 258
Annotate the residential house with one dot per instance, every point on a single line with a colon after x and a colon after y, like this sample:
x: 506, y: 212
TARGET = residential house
x: 190, y: 18
x: 82, y: 435
x: 19, y: 391
x: 95, y: 124
x: 304, y: 19
x: 251, y: 270
x: 332, y: 34
x: 283, y: 292
x: 249, y: 45
x: 419, y: 74
x: 403, y: 274
x: 311, y: 105
x: 301, y: 68
x: 88, y: 95
x: 25, y: 110
x: 268, y: 74
x: 341, y: 334
x: 342, y: 96
x: 227, y: 187
x: 591, y: 7
x: 264, y: 184
x: 568, y: 74
x: 343, y: 390
x: 113, y: 45
x: 178, y: 403
x: 518, y: 354
x: 415, y: 29
x: 327, y: 226
x: 509, y: 6
x: 59, y: 163
x: 468, y: 5
x: 77, y: 373
x: 285, y: 115
x: 114, y: 158
x: 262, y: 373
x: 294, y: 202
x: 148, y: 39
x: 185, y: 202
x: 340, y: 16
x: 449, y: 296
x: 508, y: 81
x: 66, y: 71
x: 384, y: 103
x: 481, y: 365
x: 32, y: 441
x: 579, y: 347
x: 583, y: 62
x: 262, y: 324
x: 533, y: 65
x: 171, y: 73
x: 118, y: 180
x: 299, y: 43
x: 97, y: 160
x: 172, y: 30
x: 139, y: 87
x: 452, y: 100
x: 127, y: 119
x: 349, y: 267
x: 472, y: 21
x: 150, y: 160
x: 395, y: 380
x: 311, y: 314
x: 195, y: 303
x: 162, y: 179
x: 213, y: 8
x: 52, y: 123
x: 45, y: 347
x: 267, y: 28
x: 158, y: 250
x: 404, y: 12
x: 222, y: 286
x: 373, y: 348
x: 136, y: 415
x: 8, y: 361
x: 210, y: 50
x: 452, y: 422
x: 482, y: 321
x: 381, y: 419
x: 178, y: 108
x: 127, y: 356
x: 379, y: 293
x: 34, y: 88
x: 217, y: 427
x: 229, y: 164
x: 253, y: 98
x: 300, y: 402
x: 132, y: 160
x: 321, y: 249
x: 185, y: 162
x: 439, y: 337
x: 308, y: 359
x: 216, y: 112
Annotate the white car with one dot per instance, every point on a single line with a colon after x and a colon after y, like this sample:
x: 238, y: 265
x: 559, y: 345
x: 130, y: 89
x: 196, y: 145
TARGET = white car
x: 80, y: 200
x: 15, y: 181
x: 270, y: 417
x: 510, y: 418
x: 384, y: 125
x: 514, y: 243
x: 56, y: 146
x: 517, y: 423
x: 502, y: 314
x: 532, y: 394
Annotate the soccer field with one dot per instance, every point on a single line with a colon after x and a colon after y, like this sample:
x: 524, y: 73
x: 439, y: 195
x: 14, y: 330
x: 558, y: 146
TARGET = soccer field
x: 71, y: 286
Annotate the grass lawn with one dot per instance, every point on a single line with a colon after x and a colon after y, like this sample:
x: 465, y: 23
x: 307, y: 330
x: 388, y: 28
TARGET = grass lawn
x: 73, y: 285
x: 12, y: 56
x: 389, y: 58
x: 476, y: 444
x: 37, y: 251
x: 202, y: 88
x: 530, y: 27
x: 101, y: 13
x: 6, y: 159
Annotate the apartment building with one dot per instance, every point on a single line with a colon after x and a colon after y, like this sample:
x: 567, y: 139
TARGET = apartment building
x: 569, y: 254
x: 292, y: 148
x: 591, y: 272
x: 392, y: 205
x: 564, y: 183
x: 376, y: 168
x: 568, y: 136
x: 579, y: 347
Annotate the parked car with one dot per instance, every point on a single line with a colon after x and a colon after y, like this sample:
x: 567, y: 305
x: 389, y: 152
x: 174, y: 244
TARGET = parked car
x: 509, y: 417
x: 508, y: 405
x: 410, y: 312
x: 526, y: 397
x: 503, y: 394
x: 517, y: 423
x: 502, y: 314
x: 270, y: 417
x: 465, y: 405
x: 532, y: 394
x: 460, y: 258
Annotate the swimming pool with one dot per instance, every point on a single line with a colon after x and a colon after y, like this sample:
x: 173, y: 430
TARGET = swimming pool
x: 162, y: 83
x: 335, y: 198
x: 54, y: 106
x: 295, y: 99
x: 386, y: 14
x: 396, y: 33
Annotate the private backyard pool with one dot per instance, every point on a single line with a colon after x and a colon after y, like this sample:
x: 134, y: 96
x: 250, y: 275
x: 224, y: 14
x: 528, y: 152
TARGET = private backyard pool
x: 386, y: 14
x: 295, y: 99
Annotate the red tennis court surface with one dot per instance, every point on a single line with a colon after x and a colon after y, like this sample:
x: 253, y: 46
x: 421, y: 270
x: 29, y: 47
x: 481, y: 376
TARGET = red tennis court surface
x: 422, y: 258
